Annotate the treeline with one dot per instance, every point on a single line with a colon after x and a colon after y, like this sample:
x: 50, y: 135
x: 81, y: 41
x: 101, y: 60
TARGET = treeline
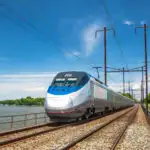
x: 148, y: 98
x: 29, y: 101
x: 129, y: 96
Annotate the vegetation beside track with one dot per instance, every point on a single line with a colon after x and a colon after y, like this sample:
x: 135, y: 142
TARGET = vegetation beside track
x: 129, y: 96
x: 29, y: 101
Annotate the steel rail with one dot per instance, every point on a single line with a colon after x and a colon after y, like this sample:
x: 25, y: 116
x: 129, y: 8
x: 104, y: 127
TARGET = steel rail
x: 11, y: 141
x: 116, y: 142
x: 23, y: 129
x: 80, y: 139
x: 42, y: 125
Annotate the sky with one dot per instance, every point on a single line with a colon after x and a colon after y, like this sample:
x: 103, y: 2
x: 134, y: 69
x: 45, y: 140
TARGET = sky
x: 40, y: 38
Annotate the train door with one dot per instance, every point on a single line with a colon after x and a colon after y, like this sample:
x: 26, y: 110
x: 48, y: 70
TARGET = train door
x: 92, y: 92
x: 114, y: 101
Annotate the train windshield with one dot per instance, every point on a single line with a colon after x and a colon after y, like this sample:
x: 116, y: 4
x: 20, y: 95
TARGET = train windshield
x: 65, y: 82
x: 71, y: 82
x: 59, y: 82
x: 83, y: 80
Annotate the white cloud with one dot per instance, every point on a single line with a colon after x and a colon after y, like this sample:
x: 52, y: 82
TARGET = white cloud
x: 22, y: 85
x: 135, y: 79
x: 76, y: 53
x: 28, y: 75
x: 143, y: 22
x: 88, y: 37
x: 128, y: 22
x: 72, y: 54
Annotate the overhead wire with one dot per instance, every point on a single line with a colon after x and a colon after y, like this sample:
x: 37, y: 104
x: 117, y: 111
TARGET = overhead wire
x: 116, y: 38
x: 113, y: 81
x: 25, y: 21
x: 46, y: 22
x: 20, y: 17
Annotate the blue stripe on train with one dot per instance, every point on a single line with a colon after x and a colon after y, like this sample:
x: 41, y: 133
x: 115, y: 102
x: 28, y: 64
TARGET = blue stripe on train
x: 63, y: 90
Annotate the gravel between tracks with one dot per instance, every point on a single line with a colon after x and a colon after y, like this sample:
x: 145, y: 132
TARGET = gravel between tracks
x: 105, y: 137
x: 137, y: 136
x: 59, y: 138
x: 24, y: 133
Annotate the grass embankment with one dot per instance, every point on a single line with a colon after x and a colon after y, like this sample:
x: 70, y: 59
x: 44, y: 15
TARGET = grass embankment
x: 29, y: 101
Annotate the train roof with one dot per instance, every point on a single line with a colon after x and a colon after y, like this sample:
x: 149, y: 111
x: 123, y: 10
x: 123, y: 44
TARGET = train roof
x: 79, y: 73
x: 82, y: 73
x: 106, y: 86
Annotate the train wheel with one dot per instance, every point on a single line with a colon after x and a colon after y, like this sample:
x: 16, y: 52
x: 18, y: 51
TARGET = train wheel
x: 86, y: 116
x: 91, y: 111
x: 79, y: 119
x: 88, y: 113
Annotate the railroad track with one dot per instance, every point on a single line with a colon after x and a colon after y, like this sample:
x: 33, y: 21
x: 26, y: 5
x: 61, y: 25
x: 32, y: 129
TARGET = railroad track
x: 73, y: 144
x: 13, y: 137
x: 21, y: 134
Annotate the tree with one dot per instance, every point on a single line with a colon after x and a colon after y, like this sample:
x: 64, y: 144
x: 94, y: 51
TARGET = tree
x: 25, y: 101
x: 129, y: 96
x: 148, y: 98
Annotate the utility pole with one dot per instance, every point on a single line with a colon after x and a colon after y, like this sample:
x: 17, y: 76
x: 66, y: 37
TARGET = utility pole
x: 142, y: 85
x: 146, y: 61
x: 132, y: 92
x: 105, y: 49
x: 123, y: 70
x: 97, y: 71
x: 123, y: 80
x: 141, y: 92
x: 129, y: 86
x: 136, y: 93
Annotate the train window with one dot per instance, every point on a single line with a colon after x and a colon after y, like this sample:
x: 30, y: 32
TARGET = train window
x: 71, y: 82
x: 58, y: 82
x: 60, y: 79
x: 72, y: 79
x: 83, y: 80
x: 64, y: 82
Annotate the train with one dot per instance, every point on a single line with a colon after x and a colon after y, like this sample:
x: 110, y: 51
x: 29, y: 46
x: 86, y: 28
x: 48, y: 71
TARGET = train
x: 77, y: 95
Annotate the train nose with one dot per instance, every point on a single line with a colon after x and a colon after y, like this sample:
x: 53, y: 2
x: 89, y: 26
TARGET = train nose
x: 58, y: 102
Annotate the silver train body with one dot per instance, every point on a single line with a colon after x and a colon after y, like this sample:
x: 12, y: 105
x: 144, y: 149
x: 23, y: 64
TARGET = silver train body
x: 73, y: 95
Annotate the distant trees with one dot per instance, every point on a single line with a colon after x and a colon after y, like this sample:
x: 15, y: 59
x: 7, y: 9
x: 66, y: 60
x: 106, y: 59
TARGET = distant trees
x: 129, y: 96
x: 148, y: 98
x: 24, y: 101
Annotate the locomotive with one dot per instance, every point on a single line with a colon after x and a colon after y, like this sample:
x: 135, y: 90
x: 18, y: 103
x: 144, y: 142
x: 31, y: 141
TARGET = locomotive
x: 77, y: 95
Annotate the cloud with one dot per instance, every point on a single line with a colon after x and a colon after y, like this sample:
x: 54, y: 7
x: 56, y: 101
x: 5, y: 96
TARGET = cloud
x: 143, y: 22
x: 21, y: 85
x: 128, y: 22
x: 76, y: 53
x: 88, y: 38
x: 28, y: 75
x: 72, y: 54
x: 135, y: 79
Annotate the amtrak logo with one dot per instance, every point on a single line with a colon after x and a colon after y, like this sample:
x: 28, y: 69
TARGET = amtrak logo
x: 68, y: 75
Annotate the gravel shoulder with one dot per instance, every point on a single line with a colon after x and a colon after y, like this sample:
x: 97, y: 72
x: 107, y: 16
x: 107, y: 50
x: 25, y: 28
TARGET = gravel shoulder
x: 137, y: 136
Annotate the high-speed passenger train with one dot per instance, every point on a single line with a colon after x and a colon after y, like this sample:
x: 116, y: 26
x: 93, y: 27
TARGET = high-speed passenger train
x: 76, y: 95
